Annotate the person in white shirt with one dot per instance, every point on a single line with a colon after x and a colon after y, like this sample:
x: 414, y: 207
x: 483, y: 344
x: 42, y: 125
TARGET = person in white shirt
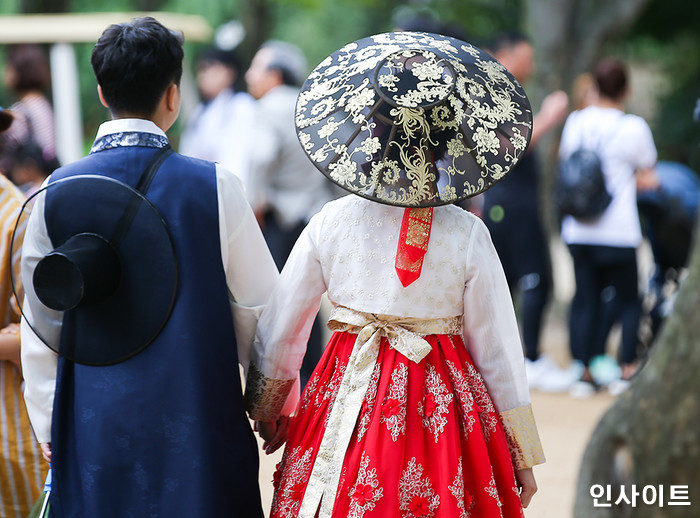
x: 604, y: 249
x: 219, y: 129
x: 419, y: 404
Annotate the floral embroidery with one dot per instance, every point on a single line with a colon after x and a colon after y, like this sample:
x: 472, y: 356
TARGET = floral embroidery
x: 418, y: 498
x: 128, y: 139
x: 265, y: 397
x: 331, y: 391
x: 523, y: 439
x: 391, y: 95
x: 435, y: 405
x: 464, y: 397
x: 366, y: 492
x: 492, y: 491
x: 309, y: 392
x: 489, y: 417
x: 394, y: 407
x: 370, y: 399
x: 290, y: 486
x: 464, y: 501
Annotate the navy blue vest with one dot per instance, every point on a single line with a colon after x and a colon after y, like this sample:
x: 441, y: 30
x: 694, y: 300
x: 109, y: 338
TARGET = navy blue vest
x: 163, y: 434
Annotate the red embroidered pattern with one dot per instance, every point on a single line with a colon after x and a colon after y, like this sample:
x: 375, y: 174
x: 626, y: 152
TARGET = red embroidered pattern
x: 368, y: 404
x: 418, y: 498
x: 394, y: 407
x: 366, y: 491
x: 290, y: 489
x: 435, y: 406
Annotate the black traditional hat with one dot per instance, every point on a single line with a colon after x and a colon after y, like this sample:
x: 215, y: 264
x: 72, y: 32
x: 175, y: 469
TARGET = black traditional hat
x: 111, y: 277
x: 413, y: 119
x: 6, y: 119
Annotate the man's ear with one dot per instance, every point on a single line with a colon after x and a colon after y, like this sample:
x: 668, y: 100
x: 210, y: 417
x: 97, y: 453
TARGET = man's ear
x: 102, y: 97
x: 171, y: 97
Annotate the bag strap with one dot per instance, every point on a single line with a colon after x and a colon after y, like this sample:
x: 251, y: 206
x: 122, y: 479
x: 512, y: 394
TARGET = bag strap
x: 142, y: 187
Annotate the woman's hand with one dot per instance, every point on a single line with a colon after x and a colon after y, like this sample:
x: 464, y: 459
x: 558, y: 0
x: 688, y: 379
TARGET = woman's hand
x: 528, y: 486
x: 274, y: 433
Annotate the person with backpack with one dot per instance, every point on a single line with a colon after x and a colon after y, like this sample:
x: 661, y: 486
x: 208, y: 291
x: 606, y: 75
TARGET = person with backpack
x: 603, y: 247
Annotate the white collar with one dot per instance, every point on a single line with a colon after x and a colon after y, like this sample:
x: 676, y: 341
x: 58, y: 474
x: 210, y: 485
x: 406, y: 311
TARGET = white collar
x: 128, y: 125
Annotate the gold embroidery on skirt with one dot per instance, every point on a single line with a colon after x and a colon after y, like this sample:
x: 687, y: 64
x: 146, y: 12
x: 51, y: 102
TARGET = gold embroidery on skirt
x: 406, y: 336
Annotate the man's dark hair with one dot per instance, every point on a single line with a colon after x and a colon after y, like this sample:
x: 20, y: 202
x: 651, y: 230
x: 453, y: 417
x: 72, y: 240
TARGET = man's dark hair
x: 611, y: 78
x: 134, y: 64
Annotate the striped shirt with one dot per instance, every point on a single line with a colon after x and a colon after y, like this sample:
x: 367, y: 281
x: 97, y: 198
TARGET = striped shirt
x: 22, y: 469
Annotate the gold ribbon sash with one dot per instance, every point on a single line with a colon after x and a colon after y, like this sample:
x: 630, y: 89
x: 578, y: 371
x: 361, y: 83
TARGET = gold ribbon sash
x: 403, y: 334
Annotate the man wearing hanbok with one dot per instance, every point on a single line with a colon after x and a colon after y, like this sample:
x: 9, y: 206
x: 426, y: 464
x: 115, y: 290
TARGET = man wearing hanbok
x: 420, y: 405
x: 141, y: 412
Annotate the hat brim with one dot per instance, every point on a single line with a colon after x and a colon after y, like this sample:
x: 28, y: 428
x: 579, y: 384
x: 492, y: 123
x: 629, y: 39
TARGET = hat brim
x: 6, y: 119
x: 111, y: 330
x: 459, y: 127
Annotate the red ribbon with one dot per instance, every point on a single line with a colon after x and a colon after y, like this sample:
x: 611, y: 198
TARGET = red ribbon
x: 413, y: 243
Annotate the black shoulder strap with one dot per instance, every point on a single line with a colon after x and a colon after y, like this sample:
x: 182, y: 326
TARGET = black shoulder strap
x: 152, y: 168
x: 142, y: 187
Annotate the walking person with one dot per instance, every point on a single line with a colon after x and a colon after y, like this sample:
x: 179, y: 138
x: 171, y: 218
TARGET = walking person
x: 604, y: 249
x: 285, y: 189
x: 22, y: 469
x: 420, y: 404
x: 511, y: 211
x: 141, y: 412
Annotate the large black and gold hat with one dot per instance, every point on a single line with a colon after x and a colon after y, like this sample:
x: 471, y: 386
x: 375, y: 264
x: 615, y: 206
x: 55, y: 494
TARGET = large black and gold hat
x: 413, y: 119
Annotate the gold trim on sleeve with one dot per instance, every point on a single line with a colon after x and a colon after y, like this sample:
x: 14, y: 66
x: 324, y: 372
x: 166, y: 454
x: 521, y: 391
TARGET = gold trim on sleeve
x: 265, y: 397
x: 523, y: 439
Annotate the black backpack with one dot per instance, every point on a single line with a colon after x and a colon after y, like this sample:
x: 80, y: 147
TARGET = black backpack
x: 579, y: 188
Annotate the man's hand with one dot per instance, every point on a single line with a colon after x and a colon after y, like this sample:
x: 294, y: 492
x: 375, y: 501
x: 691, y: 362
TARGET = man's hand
x: 528, y: 486
x: 46, y: 450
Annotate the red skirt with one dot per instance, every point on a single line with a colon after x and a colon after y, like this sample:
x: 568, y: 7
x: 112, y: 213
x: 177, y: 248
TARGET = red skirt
x: 428, y: 441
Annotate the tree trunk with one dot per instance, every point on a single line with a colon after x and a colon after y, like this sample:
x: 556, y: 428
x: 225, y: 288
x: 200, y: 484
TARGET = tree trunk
x: 651, y: 435
x: 255, y: 17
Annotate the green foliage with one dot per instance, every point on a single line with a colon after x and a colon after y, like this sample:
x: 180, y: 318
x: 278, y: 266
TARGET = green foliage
x: 667, y: 34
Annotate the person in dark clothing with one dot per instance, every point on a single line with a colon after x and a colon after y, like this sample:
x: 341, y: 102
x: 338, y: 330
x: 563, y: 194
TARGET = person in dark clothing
x: 511, y: 211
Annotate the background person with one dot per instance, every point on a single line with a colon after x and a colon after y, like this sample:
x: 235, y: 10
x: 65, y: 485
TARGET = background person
x: 22, y: 470
x: 219, y: 129
x: 604, y: 249
x: 511, y: 211
x: 286, y: 190
x: 28, y: 77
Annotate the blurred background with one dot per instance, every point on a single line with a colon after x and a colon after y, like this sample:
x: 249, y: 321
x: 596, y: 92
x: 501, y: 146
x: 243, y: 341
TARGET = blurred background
x: 658, y: 39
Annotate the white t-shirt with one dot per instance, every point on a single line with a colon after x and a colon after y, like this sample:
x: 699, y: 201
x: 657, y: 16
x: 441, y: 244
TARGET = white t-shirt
x: 624, y: 144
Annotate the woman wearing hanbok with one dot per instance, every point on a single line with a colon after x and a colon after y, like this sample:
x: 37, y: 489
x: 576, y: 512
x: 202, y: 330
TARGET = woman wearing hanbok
x: 419, y: 406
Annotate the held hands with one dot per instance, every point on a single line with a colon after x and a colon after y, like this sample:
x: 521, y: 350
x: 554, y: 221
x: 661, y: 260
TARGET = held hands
x: 274, y: 433
x: 527, y: 484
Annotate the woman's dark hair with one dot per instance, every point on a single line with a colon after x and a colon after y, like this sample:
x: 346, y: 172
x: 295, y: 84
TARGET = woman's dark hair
x: 31, y: 67
x: 611, y: 78
x: 134, y: 64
